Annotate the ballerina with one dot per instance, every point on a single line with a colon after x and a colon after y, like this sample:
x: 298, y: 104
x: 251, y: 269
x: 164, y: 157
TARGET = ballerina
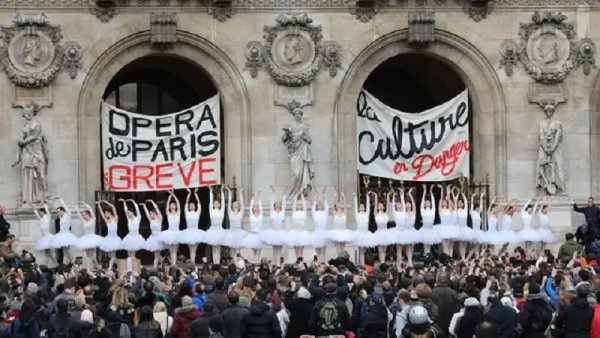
x: 465, y: 234
x: 170, y: 237
x: 320, y: 216
x: 64, y: 239
x: 133, y: 241
x: 44, y: 242
x: 276, y: 235
x: 215, y: 235
x: 400, y: 218
x: 476, y: 224
x: 383, y: 236
x: 298, y: 236
x: 364, y: 238
x: 508, y: 235
x: 528, y: 235
x: 409, y: 233
x: 112, y: 242
x: 235, y: 235
x: 491, y: 237
x: 340, y: 234
x: 546, y: 234
x: 252, y: 240
x: 447, y: 230
x: 192, y: 235
x: 153, y: 243
x: 429, y: 235
x: 89, y: 242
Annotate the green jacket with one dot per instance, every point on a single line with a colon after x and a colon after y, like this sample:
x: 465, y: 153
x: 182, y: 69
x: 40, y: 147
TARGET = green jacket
x: 567, y: 250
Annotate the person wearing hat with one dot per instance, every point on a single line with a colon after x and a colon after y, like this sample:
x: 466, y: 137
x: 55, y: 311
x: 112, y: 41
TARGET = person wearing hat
x: 330, y: 315
x: 464, y: 322
x: 504, y: 316
x: 419, y: 323
x: 375, y: 323
x: 300, y: 310
x: 536, y: 315
x: 576, y: 318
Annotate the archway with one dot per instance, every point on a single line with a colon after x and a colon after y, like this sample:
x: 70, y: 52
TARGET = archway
x: 452, y: 54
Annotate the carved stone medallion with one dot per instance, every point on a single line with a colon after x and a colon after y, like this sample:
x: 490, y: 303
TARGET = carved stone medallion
x: 293, y: 52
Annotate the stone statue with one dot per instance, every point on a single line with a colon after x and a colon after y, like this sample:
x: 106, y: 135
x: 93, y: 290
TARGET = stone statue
x: 32, y: 52
x: 548, y: 51
x: 293, y: 51
x: 298, y: 143
x: 550, y: 174
x: 33, y: 157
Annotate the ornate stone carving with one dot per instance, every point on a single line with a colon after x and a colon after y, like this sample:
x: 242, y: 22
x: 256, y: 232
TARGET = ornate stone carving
x: 163, y: 30
x: 32, y: 54
x: 296, y: 138
x: 104, y: 10
x: 293, y: 52
x: 32, y: 157
x: 365, y: 10
x: 72, y: 60
x: 221, y: 9
x: 477, y: 9
x: 421, y: 27
x: 586, y: 52
x: 509, y: 58
x: 550, y: 177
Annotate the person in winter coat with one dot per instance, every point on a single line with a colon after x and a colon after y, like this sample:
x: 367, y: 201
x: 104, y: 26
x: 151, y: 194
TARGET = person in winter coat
x: 26, y: 325
x: 300, y: 310
x: 464, y: 322
x: 321, y: 323
x: 147, y: 327
x: 576, y: 318
x: 536, y: 315
x: 234, y: 316
x: 566, y: 251
x: 504, y: 316
x: 261, y: 321
x: 199, y: 327
x: 592, y: 215
x: 62, y: 323
x: 446, y: 300
x: 199, y: 295
x: 87, y: 327
x: 219, y: 296
x: 184, y: 316
x: 595, y: 330
x: 376, y: 320
x: 162, y: 317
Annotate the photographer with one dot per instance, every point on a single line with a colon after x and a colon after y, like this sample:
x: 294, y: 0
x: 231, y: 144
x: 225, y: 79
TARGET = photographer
x: 4, y: 225
x: 10, y: 257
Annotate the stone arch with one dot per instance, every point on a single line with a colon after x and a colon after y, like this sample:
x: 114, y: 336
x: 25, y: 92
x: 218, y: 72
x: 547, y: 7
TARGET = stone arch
x: 195, y: 50
x: 488, y: 104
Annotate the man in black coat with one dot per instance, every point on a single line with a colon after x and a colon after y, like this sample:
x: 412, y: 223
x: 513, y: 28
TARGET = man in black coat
x: 375, y: 323
x: 446, y: 300
x: 62, y: 324
x: 199, y: 327
x: 576, y: 318
x: 234, y: 317
x: 300, y: 310
x: 4, y: 225
x: 330, y: 315
x: 536, y: 315
x: 261, y: 321
x: 505, y: 317
x: 592, y: 216
x: 219, y: 296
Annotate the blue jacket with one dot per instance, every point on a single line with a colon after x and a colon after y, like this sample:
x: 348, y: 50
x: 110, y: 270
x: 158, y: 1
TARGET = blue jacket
x: 199, y: 300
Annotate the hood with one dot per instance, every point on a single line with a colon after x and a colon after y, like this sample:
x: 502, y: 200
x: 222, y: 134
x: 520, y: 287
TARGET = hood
x: 537, y: 297
x: 258, y: 308
x: 580, y: 303
x: 189, y: 311
x: 379, y: 310
x: 161, y: 317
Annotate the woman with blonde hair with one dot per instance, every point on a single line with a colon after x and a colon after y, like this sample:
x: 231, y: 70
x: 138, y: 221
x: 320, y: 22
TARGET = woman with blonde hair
x: 162, y: 317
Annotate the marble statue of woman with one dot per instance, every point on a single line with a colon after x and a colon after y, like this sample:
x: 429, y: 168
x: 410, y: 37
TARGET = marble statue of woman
x: 550, y: 175
x: 298, y: 143
x: 33, y: 157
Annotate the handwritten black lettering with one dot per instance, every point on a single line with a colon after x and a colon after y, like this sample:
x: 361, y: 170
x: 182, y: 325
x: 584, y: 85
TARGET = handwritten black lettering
x: 363, y: 108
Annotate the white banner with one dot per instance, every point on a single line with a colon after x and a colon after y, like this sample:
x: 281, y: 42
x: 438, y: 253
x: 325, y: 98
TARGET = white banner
x: 429, y: 146
x: 174, y: 151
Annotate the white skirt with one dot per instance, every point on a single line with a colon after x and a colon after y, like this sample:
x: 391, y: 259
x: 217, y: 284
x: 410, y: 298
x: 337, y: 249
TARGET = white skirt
x: 318, y: 239
x: 341, y: 235
x: 364, y: 239
x: 297, y: 237
x: 191, y: 236
x: 547, y: 235
x: 252, y: 241
x: 491, y: 238
x: 153, y: 243
x: 385, y: 237
x: 408, y: 236
x: 477, y: 236
x: 169, y: 237
x: 44, y: 242
x: 63, y: 240
x: 466, y: 234
x: 90, y: 241
x: 111, y: 244
x: 430, y: 236
x: 509, y: 237
x: 134, y: 242
x: 215, y: 236
x: 529, y: 235
x: 234, y: 237
x: 274, y: 237
x: 447, y: 232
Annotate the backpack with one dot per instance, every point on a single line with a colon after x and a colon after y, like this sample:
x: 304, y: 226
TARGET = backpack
x: 542, y: 317
x: 329, y: 316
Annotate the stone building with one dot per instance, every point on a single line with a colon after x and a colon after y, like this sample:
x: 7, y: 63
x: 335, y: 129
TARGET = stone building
x: 265, y: 57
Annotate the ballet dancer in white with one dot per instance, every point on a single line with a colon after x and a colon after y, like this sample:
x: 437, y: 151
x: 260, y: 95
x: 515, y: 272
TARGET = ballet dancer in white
x: 89, y: 242
x: 215, y: 235
x: 235, y: 235
x: 252, y: 240
x: 383, y: 236
x: 64, y: 239
x: 298, y: 236
x: 320, y: 216
x: 447, y: 228
x: 508, y: 235
x: 192, y: 235
x: 528, y: 235
x: 171, y: 237
x: 547, y: 237
x: 133, y: 241
x: 466, y: 235
x: 400, y: 218
x: 153, y: 243
x: 112, y: 242
x: 429, y: 235
x: 276, y: 235
x: 476, y: 224
x: 492, y: 237
x: 340, y: 234
x: 411, y: 235
x: 364, y: 238
x: 44, y: 242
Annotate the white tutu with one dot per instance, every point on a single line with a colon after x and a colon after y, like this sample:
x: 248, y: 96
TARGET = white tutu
x: 252, y: 241
x: 430, y: 236
x: 466, y: 234
x: 547, y: 236
x: 447, y: 232
x: 408, y: 236
x: 274, y: 237
x: 296, y: 237
x: 477, y: 236
x: 153, y: 243
x: 234, y: 237
x: 529, y: 235
x: 318, y: 239
x: 491, y: 238
x: 111, y: 244
x: 191, y: 236
x: 385, y: 237
x: 134, y: 242
x: 340, y: 235
x: 63, y: 240
x: 169, y: 237
x: 509, y: 237
x: 364, y: 239
x: 215, y: 236
x: 90, y: 241
x: 44, y: 242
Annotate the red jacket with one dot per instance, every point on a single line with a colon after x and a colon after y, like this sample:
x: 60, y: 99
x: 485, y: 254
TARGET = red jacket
x: 184, y: 316
x: 595, y: 331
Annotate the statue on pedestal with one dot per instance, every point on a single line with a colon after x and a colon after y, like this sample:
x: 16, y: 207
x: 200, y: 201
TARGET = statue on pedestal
x: 550, y: 173
x: 32, y: 157
x: 298, y: 143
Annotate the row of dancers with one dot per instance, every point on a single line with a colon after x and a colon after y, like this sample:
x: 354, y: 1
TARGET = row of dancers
x: 399, y: 206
